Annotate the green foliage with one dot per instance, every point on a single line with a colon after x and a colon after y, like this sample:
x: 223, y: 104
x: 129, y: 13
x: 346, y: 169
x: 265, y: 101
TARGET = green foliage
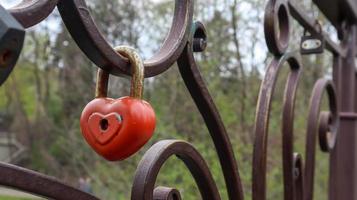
x: 47, y: 91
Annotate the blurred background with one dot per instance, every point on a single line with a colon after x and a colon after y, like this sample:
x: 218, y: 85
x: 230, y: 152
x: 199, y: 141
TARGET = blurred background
x: 41, y: 102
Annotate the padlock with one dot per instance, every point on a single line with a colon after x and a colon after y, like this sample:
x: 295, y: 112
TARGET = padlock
x: 118, y: 128
x: 12, y: 36
x: 312, y: 44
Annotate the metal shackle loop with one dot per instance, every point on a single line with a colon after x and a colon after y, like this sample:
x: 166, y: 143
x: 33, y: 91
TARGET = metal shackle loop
x: 137, y: 71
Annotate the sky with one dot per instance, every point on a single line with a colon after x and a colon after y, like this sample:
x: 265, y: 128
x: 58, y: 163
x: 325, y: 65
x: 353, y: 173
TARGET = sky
x: 9, y: 3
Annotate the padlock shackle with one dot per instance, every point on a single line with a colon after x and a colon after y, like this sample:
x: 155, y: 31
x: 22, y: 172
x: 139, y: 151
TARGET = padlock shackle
x: 137, y: 70
x: 101, y: 89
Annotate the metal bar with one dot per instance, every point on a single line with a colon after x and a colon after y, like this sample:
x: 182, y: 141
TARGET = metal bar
x: 39, y: 184
x: 204, y: 102
x: 344, y: 157
x: 32, y: 12
x: 338, y: 11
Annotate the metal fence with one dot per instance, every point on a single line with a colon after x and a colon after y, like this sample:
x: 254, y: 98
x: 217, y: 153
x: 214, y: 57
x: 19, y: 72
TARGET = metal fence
x: 334, y: 130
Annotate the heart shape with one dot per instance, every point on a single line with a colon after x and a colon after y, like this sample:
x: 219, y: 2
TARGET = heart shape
x: 117, y: 128
x: 104, y: 127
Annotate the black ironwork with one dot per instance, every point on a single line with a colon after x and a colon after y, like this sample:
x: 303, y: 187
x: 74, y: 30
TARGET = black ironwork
x: 335, y: 129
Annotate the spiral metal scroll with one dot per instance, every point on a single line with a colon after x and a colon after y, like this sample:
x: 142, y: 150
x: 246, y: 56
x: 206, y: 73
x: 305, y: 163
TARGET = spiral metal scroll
x: 185, y: 38
x: 153, y: 160
x: 262, y: 124
x: 196, y: 86
x: 298, y: 184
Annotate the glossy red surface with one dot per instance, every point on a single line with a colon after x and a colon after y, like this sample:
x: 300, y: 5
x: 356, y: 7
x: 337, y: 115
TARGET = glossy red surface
x: 117, y: 128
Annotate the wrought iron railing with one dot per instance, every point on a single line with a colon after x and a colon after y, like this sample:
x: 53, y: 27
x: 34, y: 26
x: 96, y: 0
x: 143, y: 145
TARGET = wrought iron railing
x: 335, y: 128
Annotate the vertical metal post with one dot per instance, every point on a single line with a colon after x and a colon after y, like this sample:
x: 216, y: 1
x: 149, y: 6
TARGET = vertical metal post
x: 343, y: 161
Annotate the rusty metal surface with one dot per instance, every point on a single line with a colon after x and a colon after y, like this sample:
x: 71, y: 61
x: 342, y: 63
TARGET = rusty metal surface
x: 338, y: 11
x: 261, y: 128
x: 333, y: 129
x: 32, y: 12
x: 39, y: 184
x: 154, y: 159
x: 199, y: 92
x: 77, y: 18
x: 343, y: 161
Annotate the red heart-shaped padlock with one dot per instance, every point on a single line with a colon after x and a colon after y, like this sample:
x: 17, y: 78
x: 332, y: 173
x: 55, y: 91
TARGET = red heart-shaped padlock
x: 117, y: 128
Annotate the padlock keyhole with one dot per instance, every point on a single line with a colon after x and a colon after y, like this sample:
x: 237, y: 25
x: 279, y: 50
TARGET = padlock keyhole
x: 104, y: 124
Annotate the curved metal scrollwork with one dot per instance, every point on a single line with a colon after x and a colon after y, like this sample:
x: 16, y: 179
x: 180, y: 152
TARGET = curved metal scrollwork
x: 154, y: 159
x: 80, y: 24
x: 196, y: 86
x: 185, y: 38
x: 320, y: 125
x: 298, y: 184
x: 32, y: 12
x: 262, y: 124
x: 39, y: 184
